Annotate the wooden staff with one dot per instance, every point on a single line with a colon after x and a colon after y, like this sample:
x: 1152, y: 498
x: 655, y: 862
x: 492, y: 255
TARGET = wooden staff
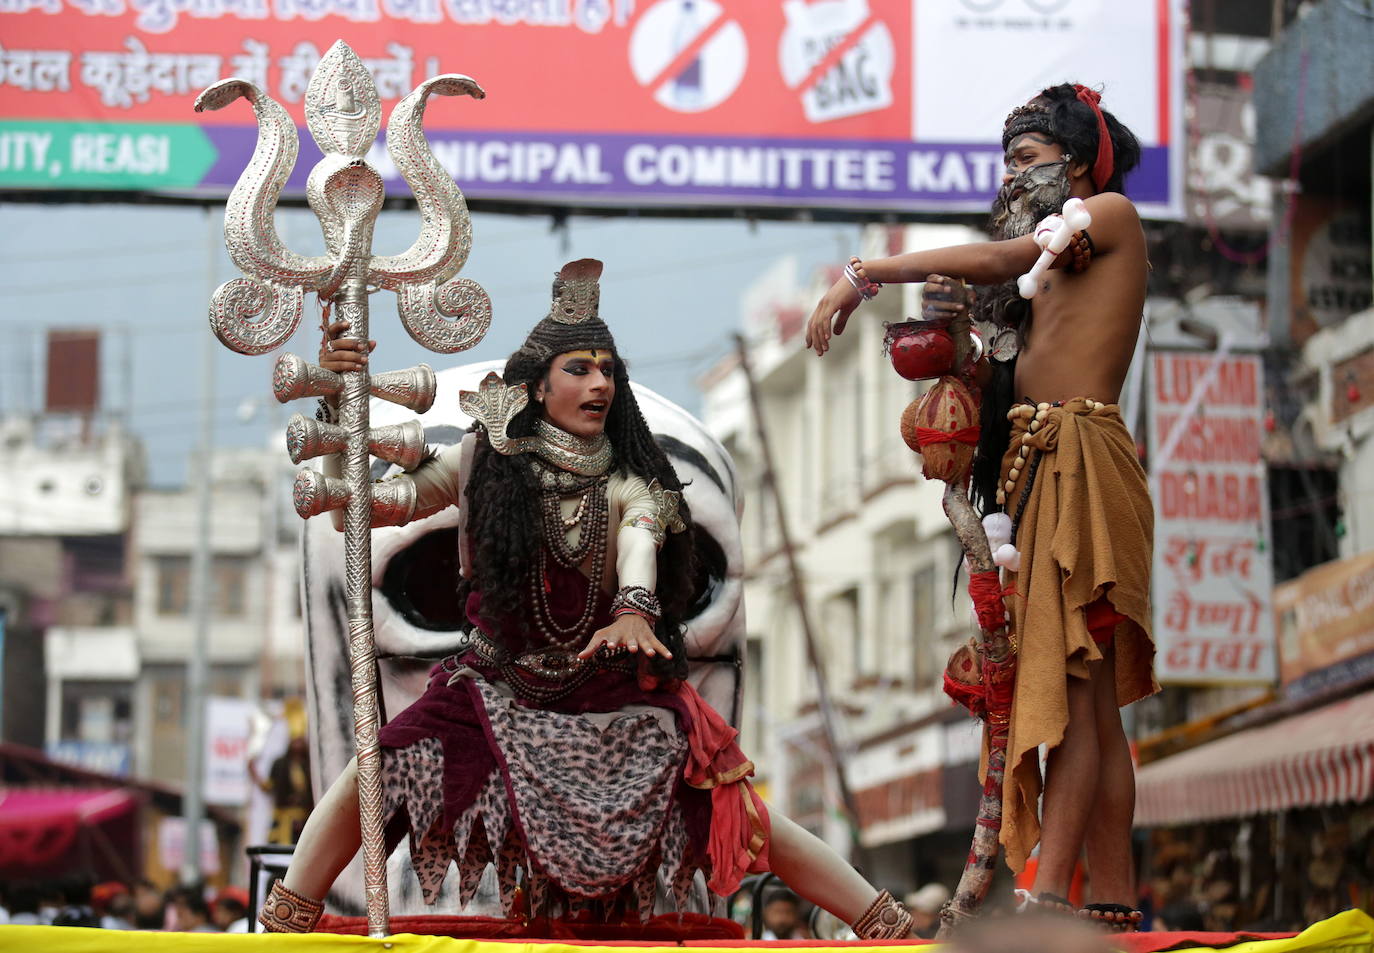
x: 943, y: 426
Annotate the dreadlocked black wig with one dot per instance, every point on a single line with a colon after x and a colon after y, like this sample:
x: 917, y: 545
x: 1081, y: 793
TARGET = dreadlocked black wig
x: 503, y: 495
x: 1070, y: 115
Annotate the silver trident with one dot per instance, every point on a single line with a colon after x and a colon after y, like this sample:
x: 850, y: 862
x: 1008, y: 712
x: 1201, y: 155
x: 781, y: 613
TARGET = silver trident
x: 257, y: 313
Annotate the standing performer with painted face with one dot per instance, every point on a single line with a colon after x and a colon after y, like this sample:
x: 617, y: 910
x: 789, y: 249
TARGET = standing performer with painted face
x: 1058, y: 459
x: 565, y: 746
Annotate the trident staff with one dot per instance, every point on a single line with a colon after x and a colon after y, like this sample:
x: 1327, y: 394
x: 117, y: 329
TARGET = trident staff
x: 259, y: 312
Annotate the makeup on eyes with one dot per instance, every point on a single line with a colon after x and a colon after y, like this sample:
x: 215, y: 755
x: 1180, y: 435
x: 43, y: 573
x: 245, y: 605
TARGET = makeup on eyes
x: 580, y: 365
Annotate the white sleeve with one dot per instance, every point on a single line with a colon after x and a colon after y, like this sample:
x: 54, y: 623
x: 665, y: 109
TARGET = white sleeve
x: 647, y: 514
x: 636, y: 562
x: 435, y: 481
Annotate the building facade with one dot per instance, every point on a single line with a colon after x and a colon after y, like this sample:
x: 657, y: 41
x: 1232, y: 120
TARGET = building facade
x: 256, y: 645
x: 66, y: 585
x: 877, y: 560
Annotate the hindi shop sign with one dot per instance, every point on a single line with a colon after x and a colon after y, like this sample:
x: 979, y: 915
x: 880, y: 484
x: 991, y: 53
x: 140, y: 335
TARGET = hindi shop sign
x: 1326, y: 625
x: 877, y: 105
x: 1213, y: 579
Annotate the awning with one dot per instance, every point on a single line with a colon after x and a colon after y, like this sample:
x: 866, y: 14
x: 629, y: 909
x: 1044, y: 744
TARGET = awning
x: 39, y: 825
x: 1319, y: 757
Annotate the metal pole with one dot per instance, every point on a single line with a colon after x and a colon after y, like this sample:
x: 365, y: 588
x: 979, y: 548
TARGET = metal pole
x: 351, y: 305
x: 799, y: 598
x: 271, y: 527
x: 193, y: 810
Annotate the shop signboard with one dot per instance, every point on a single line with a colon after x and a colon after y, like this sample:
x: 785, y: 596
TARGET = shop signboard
x: 1224, y: 191
x: 1213, y: 578
x: 873, y: 105
x: 228, y: 725
x: 171, y: 845
x: 1326, y: 626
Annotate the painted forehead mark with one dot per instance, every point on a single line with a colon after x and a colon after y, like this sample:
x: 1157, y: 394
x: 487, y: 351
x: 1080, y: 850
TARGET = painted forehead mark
x: 591, y: 356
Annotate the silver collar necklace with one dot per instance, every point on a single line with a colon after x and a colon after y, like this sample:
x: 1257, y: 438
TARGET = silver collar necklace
x: 585, y: 456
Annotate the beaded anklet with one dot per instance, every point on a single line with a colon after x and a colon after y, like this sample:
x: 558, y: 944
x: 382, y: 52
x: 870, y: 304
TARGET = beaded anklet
x: 1116, y: 917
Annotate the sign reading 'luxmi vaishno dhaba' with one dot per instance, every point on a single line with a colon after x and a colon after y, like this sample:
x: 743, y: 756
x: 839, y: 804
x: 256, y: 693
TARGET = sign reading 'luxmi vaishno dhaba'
x: 1213, y: 577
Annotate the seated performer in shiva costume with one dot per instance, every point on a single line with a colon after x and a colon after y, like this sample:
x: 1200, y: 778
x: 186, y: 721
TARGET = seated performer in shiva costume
x: 1061, y: 463
x: 565, y: 746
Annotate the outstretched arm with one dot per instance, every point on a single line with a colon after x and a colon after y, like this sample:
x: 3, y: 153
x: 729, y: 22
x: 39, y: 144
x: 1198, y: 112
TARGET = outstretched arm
x: 981, y: 263
x: 1115, y: 225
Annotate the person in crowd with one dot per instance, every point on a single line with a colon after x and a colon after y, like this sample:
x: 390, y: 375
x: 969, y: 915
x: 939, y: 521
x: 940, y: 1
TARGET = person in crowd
x: 150, y: 906
x: 192, y: 911
x: 23, y: 899
x: 119, y: 912
x: 230, y: 910
x: 925, y: 905
x: 782, y: 917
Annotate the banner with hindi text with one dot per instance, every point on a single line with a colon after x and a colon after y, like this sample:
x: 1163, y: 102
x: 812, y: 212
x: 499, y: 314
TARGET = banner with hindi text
x: 850, y: 104
x: 1213, y: 576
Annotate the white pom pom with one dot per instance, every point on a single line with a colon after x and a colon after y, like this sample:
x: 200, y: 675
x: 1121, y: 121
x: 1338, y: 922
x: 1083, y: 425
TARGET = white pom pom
x: 1007, y: 556
x: 998, y: 528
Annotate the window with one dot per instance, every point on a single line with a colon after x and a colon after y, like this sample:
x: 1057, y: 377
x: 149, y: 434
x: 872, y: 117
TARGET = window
x: 230, y: 584
x: 96, y: 712
x: 923, y: 625
x: 1305, y: 511
x: 173, y: 585
x: 755, y: 695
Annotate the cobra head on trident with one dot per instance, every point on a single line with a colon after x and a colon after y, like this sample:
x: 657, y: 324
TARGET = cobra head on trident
x: 259, y: 312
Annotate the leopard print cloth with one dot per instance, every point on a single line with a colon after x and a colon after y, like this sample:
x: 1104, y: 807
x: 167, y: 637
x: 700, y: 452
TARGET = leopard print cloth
x: 598, y: 830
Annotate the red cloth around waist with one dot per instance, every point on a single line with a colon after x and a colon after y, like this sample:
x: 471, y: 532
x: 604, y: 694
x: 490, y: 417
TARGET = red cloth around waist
x: 1102, y: 619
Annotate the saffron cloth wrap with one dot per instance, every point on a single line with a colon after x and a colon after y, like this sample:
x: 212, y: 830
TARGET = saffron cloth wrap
x: 1085, y: 532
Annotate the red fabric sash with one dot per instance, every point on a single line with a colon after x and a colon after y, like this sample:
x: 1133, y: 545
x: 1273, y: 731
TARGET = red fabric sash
x: 738, y: 842
x: 1105, y: 164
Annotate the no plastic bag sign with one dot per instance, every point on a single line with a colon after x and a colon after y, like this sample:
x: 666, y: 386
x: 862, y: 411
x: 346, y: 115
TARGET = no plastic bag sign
x: 689, y: 54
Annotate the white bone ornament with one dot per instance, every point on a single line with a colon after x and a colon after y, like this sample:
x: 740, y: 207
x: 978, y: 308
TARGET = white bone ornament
x: 998, y: 529
x: 1053, y: 235
x: 997, y: 526
x: 1008, y: 557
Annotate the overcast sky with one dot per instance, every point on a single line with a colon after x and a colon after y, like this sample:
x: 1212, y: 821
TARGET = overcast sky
x: 670, y: 294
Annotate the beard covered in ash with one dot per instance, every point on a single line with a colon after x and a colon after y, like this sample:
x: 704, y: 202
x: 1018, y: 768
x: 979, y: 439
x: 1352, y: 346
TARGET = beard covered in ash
x: 1021, y: 203
x: 1019, y: 206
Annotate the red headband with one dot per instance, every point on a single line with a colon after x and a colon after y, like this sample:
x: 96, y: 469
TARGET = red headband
x: 1106, y: 160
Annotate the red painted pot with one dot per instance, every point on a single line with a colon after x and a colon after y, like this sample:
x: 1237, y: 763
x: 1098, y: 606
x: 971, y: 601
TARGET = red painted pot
x: 922, y: 354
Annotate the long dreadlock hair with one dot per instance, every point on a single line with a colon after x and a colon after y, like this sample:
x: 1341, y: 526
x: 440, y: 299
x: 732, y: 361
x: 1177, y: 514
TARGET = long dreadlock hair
x: 507, y: 532
x: 1061, y: 113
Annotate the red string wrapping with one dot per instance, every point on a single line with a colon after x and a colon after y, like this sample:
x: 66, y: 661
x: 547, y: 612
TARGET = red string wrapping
x: 968, y: 435
x: 972, y: 697
x: 999, y: 681
x: 985, y: 589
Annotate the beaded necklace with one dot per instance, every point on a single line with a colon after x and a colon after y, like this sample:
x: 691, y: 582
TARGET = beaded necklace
x: 591, y: 521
